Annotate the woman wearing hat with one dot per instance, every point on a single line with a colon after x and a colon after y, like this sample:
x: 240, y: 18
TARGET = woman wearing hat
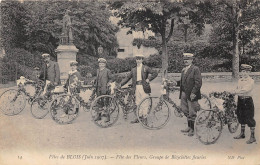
x: 245, y: 104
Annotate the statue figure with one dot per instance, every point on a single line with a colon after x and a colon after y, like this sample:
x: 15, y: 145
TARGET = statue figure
x: 67, y: 37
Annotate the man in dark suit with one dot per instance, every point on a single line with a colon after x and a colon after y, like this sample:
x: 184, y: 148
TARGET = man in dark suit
x: 141, y: 76
x: 190, y: 84
x: 50, y: 72
x: 104, y: 76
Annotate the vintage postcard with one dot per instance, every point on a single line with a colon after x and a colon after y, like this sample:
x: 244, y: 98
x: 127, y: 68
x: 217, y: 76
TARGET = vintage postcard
x: 129, y: 82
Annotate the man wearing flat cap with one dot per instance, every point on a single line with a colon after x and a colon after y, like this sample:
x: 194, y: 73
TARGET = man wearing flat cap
x: 245, y: 104
x: 141, y: 76
x: 104, y: 76
x: 190, y: 84
x: 50, y: 71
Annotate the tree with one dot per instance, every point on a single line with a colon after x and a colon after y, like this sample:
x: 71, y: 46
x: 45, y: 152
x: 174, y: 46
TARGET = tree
x: 12, y: 25
x: 235, y: 26
x: 159, y: 17
x: 37, y: 25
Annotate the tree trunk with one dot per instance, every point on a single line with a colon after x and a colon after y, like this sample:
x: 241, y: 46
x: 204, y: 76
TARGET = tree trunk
x: 235, y: 58
x: 185, y: 33
x: 164, y: 58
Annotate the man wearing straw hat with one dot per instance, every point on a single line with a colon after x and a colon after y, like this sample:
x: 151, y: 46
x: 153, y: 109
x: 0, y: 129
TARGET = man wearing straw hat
x: 245, y: 104
x: 191, y: 82
x: 141, y: 76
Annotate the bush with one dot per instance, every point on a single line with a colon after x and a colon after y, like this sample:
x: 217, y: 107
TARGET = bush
x: 253, y: 62
x: 19, y: 62
x: 121, y: 65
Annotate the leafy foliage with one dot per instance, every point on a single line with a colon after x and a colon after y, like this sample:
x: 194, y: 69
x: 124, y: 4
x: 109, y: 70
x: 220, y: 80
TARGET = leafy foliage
x: 158, y: 16
x: 37, y: 25
x: 12, y: 25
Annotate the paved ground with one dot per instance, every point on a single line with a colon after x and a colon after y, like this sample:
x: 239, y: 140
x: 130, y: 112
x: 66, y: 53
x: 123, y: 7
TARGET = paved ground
x: 28, y: 140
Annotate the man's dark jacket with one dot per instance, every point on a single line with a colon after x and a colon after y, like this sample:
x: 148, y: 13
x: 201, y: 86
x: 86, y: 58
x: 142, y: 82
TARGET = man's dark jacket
x: 51, y: 72
x: 191, y: 82
x: 146, y: 72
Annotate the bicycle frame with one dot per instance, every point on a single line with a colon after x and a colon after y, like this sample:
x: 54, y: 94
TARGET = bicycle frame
x: 38, y: 89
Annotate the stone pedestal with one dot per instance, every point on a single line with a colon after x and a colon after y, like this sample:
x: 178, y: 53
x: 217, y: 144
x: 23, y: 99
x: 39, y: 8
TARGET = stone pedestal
x: 65, y: 54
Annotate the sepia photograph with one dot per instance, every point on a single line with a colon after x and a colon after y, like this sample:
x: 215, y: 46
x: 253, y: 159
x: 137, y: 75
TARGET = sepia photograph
x: 129, y: 82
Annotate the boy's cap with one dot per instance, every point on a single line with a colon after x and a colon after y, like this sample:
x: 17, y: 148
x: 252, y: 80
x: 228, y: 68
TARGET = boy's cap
x: 102, y: 60
x: 246, y: 67
x: 139, y: 55
x: 45, y: 55
x: 73, y: 63
x: 188, y: 56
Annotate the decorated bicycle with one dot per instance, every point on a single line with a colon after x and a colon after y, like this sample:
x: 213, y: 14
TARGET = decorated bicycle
x: 40, y: 105
x: 65, y: 108
x: 109, y: 105
x: 13, y: 101
x: 157, y: 109
x: 210, y: 122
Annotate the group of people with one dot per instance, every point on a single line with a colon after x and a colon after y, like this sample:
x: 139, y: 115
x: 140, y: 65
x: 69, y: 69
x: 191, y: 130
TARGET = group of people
x: 142, y: 75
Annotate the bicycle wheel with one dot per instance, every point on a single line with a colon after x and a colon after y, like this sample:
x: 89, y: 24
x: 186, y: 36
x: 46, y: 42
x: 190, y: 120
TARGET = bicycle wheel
x: 153, y: 113
x: 208, y: 126
x: 233, y: 123
x: 64, y: 109
x: 104, y: 111
x: 12, y: 102
x: 204, y: 102
x: 39, y: 108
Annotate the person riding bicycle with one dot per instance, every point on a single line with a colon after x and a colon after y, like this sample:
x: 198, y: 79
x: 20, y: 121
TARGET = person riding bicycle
x: 50, y: 73
x: 141, y: 76
x: 190, y: 84
x: 102, y: 80
x: 245, y: 104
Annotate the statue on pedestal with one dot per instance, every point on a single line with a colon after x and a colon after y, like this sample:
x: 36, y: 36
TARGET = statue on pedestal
x: 66, y: 36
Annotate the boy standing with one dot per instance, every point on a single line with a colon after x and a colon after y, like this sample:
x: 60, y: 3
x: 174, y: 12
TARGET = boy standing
x: 73, y: 81
x: 72, y: 84
x: 245, y: 104
x: 104, y: 76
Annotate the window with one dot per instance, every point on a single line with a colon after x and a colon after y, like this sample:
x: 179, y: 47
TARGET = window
x: 120, y: 50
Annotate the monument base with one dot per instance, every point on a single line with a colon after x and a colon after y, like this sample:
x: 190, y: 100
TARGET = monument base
x: 65, y: 54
